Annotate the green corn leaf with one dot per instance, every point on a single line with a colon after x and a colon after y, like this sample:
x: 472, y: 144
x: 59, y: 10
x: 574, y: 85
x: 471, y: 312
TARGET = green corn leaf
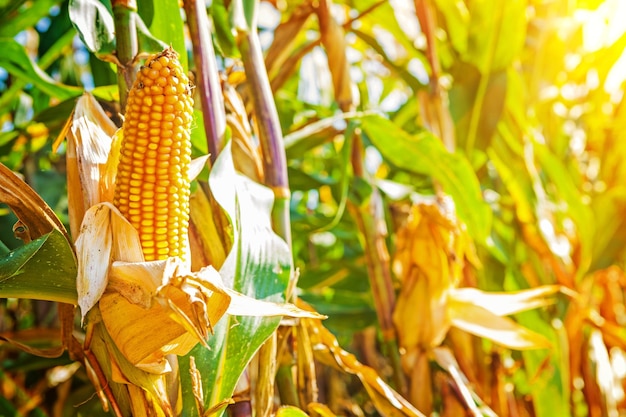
x: 290, y: 411
x: 13, y: 23
x: 167, y: 28
x: 424, y: 154
x: 259, y: 266
x: 16, y: 61
x: 43, y: 269
x: 94, y: 22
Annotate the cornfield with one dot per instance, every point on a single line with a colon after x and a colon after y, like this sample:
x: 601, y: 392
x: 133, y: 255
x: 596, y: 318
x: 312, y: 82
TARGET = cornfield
x: 312, y: 208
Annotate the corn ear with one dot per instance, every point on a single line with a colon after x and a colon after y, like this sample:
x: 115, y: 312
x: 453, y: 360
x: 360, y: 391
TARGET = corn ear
x: 152, y: 183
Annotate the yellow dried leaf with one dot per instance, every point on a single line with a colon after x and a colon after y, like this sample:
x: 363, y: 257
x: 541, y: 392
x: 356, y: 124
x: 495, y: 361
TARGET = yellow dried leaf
x: 481, y: 322
x: 147, y: 391
x: 507, y: 303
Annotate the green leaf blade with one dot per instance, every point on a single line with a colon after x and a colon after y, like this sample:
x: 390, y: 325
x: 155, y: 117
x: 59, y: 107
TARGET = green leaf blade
x: 425, y: 155
x: 259, y: 266
x: 44, y: 269
x: 17, y: 62
x: 95, y: 26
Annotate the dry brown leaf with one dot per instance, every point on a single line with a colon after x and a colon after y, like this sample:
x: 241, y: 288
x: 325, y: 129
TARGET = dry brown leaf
x: 327, y: 350
x: 285, y: 36
x: 334, y: 41
x: 28, y: 206
x: 28, y: 338
x: 36, y: 219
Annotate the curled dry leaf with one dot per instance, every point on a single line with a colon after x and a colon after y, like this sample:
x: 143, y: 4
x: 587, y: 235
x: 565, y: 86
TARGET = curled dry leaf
x: 481, y: 322
x: 36, y: 219
x: 33, y: 213
x: 481, y: 313
x: 334, y: 41
x: 507, y: 303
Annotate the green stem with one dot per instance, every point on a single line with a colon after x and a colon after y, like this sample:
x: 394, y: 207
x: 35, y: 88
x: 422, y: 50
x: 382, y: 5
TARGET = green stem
x: 207, y: 76
x: 127, y: 45
x: 286, y: 387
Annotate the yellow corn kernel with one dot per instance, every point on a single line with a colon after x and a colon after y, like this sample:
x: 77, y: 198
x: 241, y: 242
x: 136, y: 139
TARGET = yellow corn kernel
x: 152, y: 174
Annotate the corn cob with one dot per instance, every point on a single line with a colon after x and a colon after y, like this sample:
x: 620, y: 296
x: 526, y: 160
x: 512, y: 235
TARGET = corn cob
x: 152, y: 183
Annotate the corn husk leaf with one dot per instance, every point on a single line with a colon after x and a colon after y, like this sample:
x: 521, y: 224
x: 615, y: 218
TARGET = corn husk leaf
x: 123, y: 372
x: 184, y: 305
x: 104, y: 236
x: 431, y: 252
x: 89, y: 135
x: 165, y: 294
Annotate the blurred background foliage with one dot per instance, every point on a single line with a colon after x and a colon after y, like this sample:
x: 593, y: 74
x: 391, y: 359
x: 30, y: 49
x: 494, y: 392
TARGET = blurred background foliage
x: 514, y: 108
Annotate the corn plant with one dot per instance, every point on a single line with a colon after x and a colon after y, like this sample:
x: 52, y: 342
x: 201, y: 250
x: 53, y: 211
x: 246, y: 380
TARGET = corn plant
x: 312, y: 208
